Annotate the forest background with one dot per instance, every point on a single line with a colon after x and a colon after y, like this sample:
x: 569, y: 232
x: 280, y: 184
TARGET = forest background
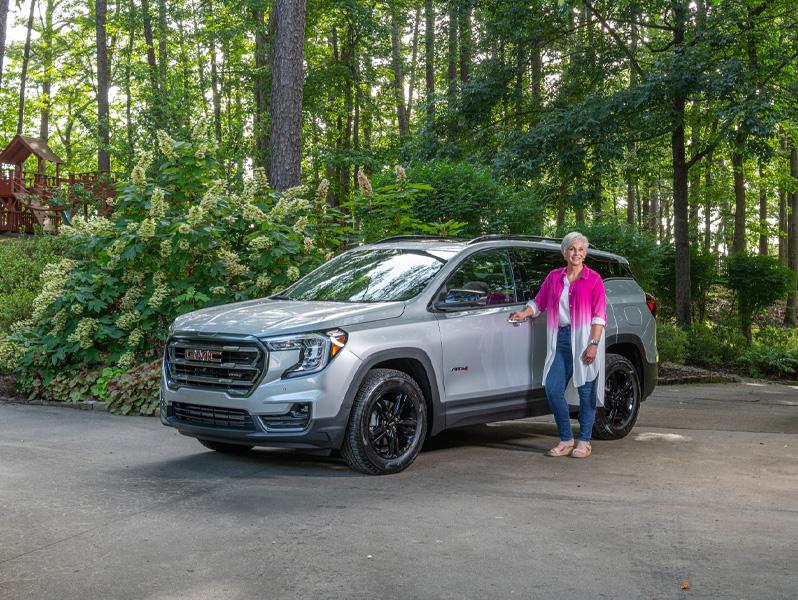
x: 260, y: 137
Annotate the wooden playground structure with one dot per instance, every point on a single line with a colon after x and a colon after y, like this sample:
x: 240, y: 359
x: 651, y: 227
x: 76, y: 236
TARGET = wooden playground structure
x: 36, y: 199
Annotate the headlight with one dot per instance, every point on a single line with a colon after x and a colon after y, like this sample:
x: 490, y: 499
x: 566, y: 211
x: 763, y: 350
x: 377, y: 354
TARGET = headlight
x: 315, y: 350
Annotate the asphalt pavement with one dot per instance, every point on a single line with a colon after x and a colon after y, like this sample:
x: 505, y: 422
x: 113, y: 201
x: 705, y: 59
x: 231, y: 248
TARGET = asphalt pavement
x: 699, y: 501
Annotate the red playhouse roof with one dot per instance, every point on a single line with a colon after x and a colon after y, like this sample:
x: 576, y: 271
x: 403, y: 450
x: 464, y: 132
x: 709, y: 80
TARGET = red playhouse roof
x: 22, y: 146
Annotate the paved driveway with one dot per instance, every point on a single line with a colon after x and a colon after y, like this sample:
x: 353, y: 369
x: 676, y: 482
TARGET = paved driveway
x: 704, y: 492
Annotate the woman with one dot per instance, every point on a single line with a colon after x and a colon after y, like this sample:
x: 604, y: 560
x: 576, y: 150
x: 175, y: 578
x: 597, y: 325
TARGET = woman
x: 574, y: 296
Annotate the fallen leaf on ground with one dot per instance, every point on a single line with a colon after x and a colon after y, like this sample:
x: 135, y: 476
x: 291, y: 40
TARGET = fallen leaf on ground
x: 684, y: 585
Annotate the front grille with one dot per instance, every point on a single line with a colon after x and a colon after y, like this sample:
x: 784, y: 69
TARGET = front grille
x: 213, y: 416
x: 233, y: 367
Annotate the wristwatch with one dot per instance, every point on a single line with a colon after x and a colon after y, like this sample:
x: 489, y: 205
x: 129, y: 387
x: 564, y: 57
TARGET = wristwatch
x: 594, y: 342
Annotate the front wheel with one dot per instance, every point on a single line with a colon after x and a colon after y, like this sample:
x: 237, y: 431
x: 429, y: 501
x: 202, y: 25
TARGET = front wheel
x: 621, y: 400
x: 387, y: 424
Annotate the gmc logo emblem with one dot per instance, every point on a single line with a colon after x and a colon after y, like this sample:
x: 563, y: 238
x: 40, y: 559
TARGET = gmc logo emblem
x: 203, y: 355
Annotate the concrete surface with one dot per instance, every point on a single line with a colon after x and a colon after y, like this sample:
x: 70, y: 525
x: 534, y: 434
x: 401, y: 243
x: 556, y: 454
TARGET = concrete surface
x: 703, y: 493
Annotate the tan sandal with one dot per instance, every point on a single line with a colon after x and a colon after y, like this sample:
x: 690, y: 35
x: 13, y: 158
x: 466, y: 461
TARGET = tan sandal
x: 582, y: 451
x: 560, y: 451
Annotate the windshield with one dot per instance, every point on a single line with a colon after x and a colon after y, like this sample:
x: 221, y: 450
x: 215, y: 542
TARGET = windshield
x: 368, y: 276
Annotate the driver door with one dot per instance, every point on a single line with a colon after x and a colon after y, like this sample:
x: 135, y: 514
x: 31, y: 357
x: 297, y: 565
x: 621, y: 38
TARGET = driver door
x: 487, y: 362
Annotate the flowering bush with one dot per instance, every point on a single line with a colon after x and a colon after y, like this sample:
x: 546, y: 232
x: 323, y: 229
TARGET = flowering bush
x: 178, y: 240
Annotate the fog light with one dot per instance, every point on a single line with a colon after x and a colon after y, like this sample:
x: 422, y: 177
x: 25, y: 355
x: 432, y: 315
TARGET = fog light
x: 297, y: 417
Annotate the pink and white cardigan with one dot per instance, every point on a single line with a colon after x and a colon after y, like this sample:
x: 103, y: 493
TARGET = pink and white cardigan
x: 588, y: 307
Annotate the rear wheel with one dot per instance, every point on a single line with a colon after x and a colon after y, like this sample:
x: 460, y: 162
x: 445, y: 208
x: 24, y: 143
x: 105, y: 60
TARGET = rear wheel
x: 226, y: 448
x: 621, y: 400
x: 387, y: 423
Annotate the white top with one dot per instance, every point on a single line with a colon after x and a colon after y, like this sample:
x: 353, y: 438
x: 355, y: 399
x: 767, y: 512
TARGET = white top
x: 565, y: 308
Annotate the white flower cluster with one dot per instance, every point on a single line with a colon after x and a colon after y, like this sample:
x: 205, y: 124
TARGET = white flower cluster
x: 94, y: 226
x: 287, y: 207
x: 260, y: 243
x: 184, y: 245
x: 363, y: 182
x: 139, y: 173
x: 157, y: 204
x: 300, y: 224
x: 232, y: 263
x: 128, y: 321
x: 195, y: 215
x: 135, y: 337
x: 76, y: 309
x: 133, y: 276
x: 401, y: 176
x: 54, y: 278
x: 321, y: 194
x: 131, y: 297
x: 126, y: 361
x: 309, y: 244
x: 252, y: 213
x: 58, y: 322
x: 161, y: 291
x: 264, y: 282
x: 84, y: 333
x: 199, y: 133
x: 147, y: 229
x: 293, y: 273
x: 184, y: 228
x: 166, y: 144
x: 166, y: 248
x: 260, y: 179
x: 9, y: 354
x: 218, y: 290
x: 211, y: 195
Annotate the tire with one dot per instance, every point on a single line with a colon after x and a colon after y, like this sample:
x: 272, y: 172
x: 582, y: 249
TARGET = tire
x: 225, y: 448
x: 387, y: 423
x: 621, y: 400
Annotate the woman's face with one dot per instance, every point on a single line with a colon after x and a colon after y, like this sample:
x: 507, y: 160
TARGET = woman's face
x: 575, y: 253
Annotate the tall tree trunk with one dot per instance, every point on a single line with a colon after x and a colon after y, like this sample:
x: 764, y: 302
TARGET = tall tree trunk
x: 287, y: 84
x: 429, y: 55
x: 398, y: 75
x: 783, y: 249
x: 708, y: 204
x: 261, y: 89
x: 680, y: 174
x: 24, y: 75
x: 763, y: 211
x: 413, y: 64
x: 163, y: 35
x: 465, y: 39
x: 155, y: 93
x: 47, y: 60
x: 738, y: 241
x: 791, y: 314
x: 694, y: 183
x: 103, y: 70
x: 3, y: 24
x: 128, y: 94
x: 451, y: 90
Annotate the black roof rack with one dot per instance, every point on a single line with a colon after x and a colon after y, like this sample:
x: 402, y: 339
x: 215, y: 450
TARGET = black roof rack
x: 396, y: 238
x: 524, y: 238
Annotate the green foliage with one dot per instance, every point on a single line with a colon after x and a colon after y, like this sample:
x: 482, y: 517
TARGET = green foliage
x: 714, y: 345
x: 671, y: 342
x: 100, y: 388
x: 703, y: 275
x: 763, y: 360
x: 378, y: 212
x: 472, y: 194
x: 757, y: 281
x: 177, y: 242
x: 23, y: 260
x: 70, y: 385
x: 136, y: 391
x: 641, y: 249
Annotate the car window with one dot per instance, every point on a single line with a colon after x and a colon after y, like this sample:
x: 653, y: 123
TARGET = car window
x: 532, y: 265
x: 381, y: 275
x: 486, y: 278
x: 608, y: 267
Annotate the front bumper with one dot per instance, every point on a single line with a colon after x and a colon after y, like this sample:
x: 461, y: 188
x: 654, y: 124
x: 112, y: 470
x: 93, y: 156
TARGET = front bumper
x: 324, y: 393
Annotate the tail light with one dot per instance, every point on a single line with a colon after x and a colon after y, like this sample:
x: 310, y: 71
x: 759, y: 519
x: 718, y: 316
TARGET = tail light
x: 651, y: 302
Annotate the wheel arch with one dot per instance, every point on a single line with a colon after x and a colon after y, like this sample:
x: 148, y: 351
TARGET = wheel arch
x: 631, y: 348
x: 417, y: 364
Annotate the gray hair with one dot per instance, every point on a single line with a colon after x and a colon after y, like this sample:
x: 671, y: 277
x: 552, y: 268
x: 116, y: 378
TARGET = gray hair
x: 570, y: 239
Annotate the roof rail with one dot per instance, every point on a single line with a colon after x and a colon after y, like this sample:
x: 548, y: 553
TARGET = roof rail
x: 396, y: 238
x: 524, y: 238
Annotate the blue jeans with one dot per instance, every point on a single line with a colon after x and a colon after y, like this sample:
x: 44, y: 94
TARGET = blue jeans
x: 560, y: 373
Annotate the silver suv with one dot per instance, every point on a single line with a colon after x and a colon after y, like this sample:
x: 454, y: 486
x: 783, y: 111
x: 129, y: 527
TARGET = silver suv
x: 390, y: 343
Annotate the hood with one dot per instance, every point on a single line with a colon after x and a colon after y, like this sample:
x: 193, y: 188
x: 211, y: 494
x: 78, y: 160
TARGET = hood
x: 266, y: 317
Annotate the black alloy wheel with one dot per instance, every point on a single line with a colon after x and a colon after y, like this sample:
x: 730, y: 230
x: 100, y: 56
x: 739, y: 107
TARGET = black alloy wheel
x: 387, y: 423
x: 622, y: 397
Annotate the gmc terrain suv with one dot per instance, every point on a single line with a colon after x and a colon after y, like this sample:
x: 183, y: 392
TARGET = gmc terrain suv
x: 390, y: 343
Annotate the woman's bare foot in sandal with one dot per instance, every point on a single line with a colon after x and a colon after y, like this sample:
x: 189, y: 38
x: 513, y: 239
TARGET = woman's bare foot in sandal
x: 582, y: 450
x: 562, y: 449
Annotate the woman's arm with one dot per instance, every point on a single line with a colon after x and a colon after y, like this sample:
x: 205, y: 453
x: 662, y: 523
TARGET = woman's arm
x: 534, y: 307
